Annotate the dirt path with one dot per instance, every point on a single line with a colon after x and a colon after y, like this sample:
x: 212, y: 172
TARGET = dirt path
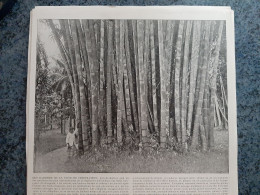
x: 53, y: 161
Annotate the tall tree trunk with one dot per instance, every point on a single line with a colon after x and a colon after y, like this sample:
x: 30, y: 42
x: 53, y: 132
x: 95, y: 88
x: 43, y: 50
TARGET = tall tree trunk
x: 130, y: 77
x: 136, y: 49
x: 97, y: 33
x: 145, y: 72
x: 184, y: 86
x: 80, y: 52
x: 177, y: 81
x: 120, y: 103
x: 109, y: 83
x: 172, y: 125
x: 206, y: 111
x: 128, y: 115
x: 94, y: 76
x: 77, y: 92
x: 163, y: 94
x: 102, y: 81
x: 154, y: 84
x: 65, y: 29
x: 198, y: 118
x: 168, y: 46
x: 193, y: 71
x: 142, y: 76
x: 215, y: 61
x: 76, y: 83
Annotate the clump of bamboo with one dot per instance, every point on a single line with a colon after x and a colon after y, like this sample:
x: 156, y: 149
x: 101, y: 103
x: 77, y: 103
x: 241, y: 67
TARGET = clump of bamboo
x: 134, y: 80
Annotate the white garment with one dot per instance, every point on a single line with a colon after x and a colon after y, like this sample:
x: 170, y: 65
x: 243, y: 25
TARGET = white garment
x: 70, y: 139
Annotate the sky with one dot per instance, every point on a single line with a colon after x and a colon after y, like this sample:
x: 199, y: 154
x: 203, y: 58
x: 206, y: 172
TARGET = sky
x: 49, y: 43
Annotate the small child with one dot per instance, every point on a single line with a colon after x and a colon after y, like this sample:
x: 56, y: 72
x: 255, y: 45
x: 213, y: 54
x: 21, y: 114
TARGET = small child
x: 71, y: 142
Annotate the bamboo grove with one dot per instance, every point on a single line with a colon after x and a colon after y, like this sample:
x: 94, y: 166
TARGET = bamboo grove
x: 133, y: 81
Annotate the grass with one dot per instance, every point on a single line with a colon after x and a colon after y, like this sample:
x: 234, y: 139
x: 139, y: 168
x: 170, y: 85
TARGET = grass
x: 104, y: 161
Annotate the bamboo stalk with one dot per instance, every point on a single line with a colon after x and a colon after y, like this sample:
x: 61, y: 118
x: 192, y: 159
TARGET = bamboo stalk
x: 94, y: 76
x: 163, y: 86
x: 193, y: 71
x: 194, y: 141
x: 82, y: 59
x: 213, y: 81
x: 177, y: 82
x: 142, y: 65
x: 184, y: 86
x: 136, y: 49
x: 154, y: 85
x: 130, y: 76
x: 109, y: 83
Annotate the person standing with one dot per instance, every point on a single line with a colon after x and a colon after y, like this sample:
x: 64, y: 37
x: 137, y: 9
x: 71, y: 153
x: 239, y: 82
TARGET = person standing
x: 71, y: 142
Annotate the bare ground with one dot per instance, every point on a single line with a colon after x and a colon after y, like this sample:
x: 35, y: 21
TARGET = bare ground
x: 126, y: 161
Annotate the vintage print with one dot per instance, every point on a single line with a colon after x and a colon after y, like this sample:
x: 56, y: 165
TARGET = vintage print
x: 131, y: 96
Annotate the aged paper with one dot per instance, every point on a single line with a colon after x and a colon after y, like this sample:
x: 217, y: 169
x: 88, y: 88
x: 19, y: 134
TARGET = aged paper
x: 131, y: 100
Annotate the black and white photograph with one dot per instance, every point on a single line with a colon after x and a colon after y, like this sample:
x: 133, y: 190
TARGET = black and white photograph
x: 131, y: 96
